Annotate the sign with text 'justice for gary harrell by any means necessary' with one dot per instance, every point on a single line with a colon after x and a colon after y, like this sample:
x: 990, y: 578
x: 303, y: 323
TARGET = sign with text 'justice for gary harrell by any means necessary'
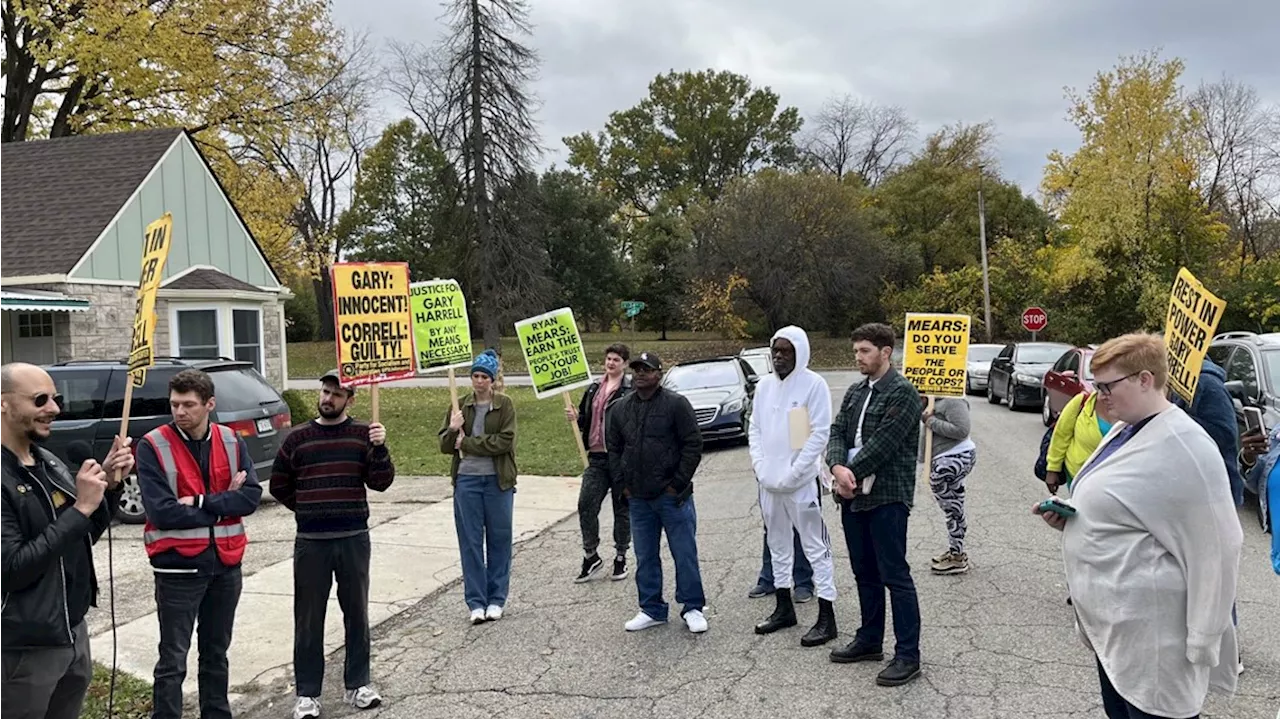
x: 935, y: 353
x: 441, y: 329
x: 373, y: 322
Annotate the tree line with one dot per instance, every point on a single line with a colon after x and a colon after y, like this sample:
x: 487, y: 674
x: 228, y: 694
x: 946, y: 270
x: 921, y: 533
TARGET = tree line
x: 711, y: 200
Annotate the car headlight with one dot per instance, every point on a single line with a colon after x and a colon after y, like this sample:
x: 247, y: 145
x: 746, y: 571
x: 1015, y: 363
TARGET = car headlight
x: 732, y: 406
x: 982, y: 372
x: 1027, y: 379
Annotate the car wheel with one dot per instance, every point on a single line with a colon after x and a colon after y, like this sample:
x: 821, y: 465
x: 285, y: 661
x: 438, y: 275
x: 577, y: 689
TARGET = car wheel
x: 991, y: 394
x: 1046, y: 412
x: 1009, y: 395
x: 131, y: 510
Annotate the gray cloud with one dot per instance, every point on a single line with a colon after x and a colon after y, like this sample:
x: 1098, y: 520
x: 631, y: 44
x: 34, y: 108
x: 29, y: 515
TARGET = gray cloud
x: 1002, y: 60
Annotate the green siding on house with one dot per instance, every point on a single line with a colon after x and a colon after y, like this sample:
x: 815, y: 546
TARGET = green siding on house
x: 206, y: 230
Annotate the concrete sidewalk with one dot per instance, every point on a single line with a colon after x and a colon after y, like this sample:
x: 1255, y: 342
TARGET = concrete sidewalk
x: 413, y: 556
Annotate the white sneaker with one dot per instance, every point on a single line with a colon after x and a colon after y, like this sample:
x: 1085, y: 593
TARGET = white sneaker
x: 363, y: 698
x: 643, y: 621
x: 477, y: 616
x: 696, y: 621
x: 306, y: 708
x: 493, y: 613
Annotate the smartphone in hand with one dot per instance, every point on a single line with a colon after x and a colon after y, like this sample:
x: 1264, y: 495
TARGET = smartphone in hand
x: 1058, y: 507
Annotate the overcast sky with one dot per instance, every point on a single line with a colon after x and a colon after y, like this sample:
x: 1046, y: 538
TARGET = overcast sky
x: 942, y: 60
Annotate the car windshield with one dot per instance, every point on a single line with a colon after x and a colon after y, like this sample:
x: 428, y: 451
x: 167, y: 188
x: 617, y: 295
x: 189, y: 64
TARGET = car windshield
x: 983, y: 354
x: 701, y: 376
x: 760, y: 364
x: 1088, y: 367
x: 1040, y: 354
x: 1271, y: 367
x: 241, y: 389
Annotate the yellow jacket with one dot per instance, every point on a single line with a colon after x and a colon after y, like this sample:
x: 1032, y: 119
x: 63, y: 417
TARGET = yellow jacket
x: 1075, y: 436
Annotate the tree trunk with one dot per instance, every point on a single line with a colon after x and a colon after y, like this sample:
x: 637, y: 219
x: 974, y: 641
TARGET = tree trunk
x: 491, y: 329
x: 324, y: 304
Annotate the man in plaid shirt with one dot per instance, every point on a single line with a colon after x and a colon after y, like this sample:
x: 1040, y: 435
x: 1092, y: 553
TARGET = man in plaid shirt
x: 872, y: 455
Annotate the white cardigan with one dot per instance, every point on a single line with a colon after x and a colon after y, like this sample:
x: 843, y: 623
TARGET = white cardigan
x: 1151, y: 560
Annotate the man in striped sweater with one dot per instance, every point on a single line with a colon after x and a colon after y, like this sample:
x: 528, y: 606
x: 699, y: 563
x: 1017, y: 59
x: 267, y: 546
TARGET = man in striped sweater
x: 321, y: 473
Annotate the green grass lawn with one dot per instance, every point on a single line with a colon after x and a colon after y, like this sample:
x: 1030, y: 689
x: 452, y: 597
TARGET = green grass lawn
x: 132, y: 700
x: 413, y: 417
x: 308, y: 360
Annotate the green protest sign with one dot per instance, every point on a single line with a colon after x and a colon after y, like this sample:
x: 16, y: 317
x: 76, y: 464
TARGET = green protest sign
x: 553, y: 351
x: 441, y: 330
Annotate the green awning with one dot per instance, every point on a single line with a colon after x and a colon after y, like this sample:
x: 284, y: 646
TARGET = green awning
x: 41, y: 301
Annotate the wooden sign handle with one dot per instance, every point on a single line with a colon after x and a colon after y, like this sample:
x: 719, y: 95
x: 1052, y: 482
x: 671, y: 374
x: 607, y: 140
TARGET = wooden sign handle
x: 928, y: 443
x: 453, y: 390
x: 373, y: 403
x: 577, y: 435
x: 124, y: 421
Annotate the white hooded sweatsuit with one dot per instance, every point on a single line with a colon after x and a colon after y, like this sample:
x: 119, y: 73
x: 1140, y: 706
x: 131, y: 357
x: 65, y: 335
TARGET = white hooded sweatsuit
x: 789, y: 478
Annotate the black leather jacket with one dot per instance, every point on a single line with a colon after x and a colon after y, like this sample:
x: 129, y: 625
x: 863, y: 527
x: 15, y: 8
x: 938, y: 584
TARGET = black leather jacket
x: 41, y: 603
x: 654, y: 444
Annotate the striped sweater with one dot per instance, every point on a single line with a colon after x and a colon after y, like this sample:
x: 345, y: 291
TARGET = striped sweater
x: 321, y: 473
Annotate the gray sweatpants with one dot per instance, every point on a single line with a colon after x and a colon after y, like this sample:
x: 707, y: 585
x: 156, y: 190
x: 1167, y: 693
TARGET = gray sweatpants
x: 48, y: 682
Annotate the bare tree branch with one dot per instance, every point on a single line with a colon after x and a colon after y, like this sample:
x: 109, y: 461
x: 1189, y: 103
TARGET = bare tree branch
x: 855, y: 136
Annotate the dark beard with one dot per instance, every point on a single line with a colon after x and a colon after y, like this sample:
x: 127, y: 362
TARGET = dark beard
x: 328, y: 413
x: 35, y: 437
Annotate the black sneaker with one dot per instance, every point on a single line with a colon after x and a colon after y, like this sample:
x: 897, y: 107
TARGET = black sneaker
x: 590, y: 566
x: 619, y: 569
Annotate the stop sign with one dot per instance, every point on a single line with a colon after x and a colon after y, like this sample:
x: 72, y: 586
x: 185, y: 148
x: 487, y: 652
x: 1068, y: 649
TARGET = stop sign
x: 1034, y: 319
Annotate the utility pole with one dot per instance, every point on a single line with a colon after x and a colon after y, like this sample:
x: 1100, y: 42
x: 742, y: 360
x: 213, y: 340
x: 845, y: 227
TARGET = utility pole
x: 982, y: 236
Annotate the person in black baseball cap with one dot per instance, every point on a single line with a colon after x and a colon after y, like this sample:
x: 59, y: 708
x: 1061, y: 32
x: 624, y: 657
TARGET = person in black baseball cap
x: 655, y: 446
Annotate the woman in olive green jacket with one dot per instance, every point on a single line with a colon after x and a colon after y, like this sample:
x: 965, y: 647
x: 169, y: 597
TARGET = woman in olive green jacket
x: 482, y: 439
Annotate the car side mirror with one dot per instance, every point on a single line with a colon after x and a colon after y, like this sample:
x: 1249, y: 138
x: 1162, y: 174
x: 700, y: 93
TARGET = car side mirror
x: 1236, y: 389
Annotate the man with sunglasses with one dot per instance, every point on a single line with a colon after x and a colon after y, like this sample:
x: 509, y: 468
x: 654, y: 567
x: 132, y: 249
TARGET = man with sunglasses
x: 50, y: 523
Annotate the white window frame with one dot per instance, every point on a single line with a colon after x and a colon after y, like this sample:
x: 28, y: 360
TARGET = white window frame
x: 225, y: 325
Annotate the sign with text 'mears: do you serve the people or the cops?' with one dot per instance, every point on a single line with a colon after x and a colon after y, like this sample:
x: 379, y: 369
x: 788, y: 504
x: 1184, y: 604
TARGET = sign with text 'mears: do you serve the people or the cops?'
x: 441, y: 328
x: 373, y: 323
x: 554, y: 353
x: 935, y: 352
x: 1194, y: 313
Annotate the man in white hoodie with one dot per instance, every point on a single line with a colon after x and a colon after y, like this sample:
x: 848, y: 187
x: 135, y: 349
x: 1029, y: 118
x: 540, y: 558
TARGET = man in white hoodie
x: 790, y: 424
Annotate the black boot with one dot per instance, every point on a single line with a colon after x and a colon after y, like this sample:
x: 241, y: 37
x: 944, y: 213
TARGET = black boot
x: 784, y: 615
x: 825, y: 630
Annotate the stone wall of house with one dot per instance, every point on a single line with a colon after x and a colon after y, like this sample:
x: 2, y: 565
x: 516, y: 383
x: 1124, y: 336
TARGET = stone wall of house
x: 104, y: 332
x: 273, y: 345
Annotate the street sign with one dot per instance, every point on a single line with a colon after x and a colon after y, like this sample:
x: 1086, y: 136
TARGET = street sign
x: 632, y: 307
x: 1034, y: 319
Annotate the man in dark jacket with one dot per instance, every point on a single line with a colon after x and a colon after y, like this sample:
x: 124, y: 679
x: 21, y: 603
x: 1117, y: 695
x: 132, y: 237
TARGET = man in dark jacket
x: 50, y: 523
x: 597, y: 481
x: 872, y: 455
x: 1213, y: 409
x: 655, y: 446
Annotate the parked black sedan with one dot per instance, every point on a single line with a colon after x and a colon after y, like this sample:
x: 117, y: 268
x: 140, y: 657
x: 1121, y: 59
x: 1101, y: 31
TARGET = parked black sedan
x: 720, y: 390
x: 1017, y: 373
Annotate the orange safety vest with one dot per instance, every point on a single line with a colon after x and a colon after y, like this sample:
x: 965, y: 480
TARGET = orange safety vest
x: 185, y: 479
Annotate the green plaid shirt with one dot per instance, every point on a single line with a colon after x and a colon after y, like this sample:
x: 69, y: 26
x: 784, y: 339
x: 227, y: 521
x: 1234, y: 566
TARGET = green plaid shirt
x: 890, y: 433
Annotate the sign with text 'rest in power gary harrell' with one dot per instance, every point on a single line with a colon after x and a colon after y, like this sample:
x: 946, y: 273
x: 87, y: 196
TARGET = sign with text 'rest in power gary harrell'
x: 372, y: 322
x: 156, y: 241
x: 1194, y: 313
x: 441, y: 329
x: 935, y: 353
x: 553, y: 351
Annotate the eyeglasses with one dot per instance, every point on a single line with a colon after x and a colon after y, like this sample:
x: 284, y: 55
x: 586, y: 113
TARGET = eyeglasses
x: 1104, y: 388
x: 41, y: 399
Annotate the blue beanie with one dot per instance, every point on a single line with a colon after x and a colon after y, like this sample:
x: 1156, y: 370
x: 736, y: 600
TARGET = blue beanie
x: 486, y: 362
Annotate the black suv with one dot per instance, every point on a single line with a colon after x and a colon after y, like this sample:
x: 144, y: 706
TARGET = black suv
x: 93, y: 397
x: 1252, y: 363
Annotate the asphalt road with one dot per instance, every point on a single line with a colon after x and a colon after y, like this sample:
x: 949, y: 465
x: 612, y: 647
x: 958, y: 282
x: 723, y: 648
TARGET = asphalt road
x: 997, y: 642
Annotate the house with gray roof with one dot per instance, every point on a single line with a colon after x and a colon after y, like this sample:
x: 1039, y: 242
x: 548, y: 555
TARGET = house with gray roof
x: 73, y: 213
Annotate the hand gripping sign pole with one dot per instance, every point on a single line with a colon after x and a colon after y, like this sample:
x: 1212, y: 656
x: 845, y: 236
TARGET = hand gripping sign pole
x: 155, y: 250
x: 935, y: 361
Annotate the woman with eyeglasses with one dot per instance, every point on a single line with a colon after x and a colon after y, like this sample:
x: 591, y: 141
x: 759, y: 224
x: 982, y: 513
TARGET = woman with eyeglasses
x: 1153, y: 545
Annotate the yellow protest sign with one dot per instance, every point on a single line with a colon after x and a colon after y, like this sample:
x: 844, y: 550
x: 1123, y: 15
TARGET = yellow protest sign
x: 935, y: 348
x: 372, y: 321
x: 157, y: 240
x: 441, y: 329
x: 1194, y: 313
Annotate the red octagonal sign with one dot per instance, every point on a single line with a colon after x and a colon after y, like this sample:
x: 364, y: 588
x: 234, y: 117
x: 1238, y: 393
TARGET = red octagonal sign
x: 1034, y: 319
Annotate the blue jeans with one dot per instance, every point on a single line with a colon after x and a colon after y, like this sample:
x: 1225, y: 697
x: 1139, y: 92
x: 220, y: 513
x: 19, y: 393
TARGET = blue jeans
x: 877, y: 542
x: 802, y: 573
x: 649, y: 518
x: 482, y: 515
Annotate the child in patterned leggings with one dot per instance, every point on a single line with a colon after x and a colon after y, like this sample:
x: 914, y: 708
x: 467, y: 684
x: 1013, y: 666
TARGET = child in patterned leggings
x: 953, y: 457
